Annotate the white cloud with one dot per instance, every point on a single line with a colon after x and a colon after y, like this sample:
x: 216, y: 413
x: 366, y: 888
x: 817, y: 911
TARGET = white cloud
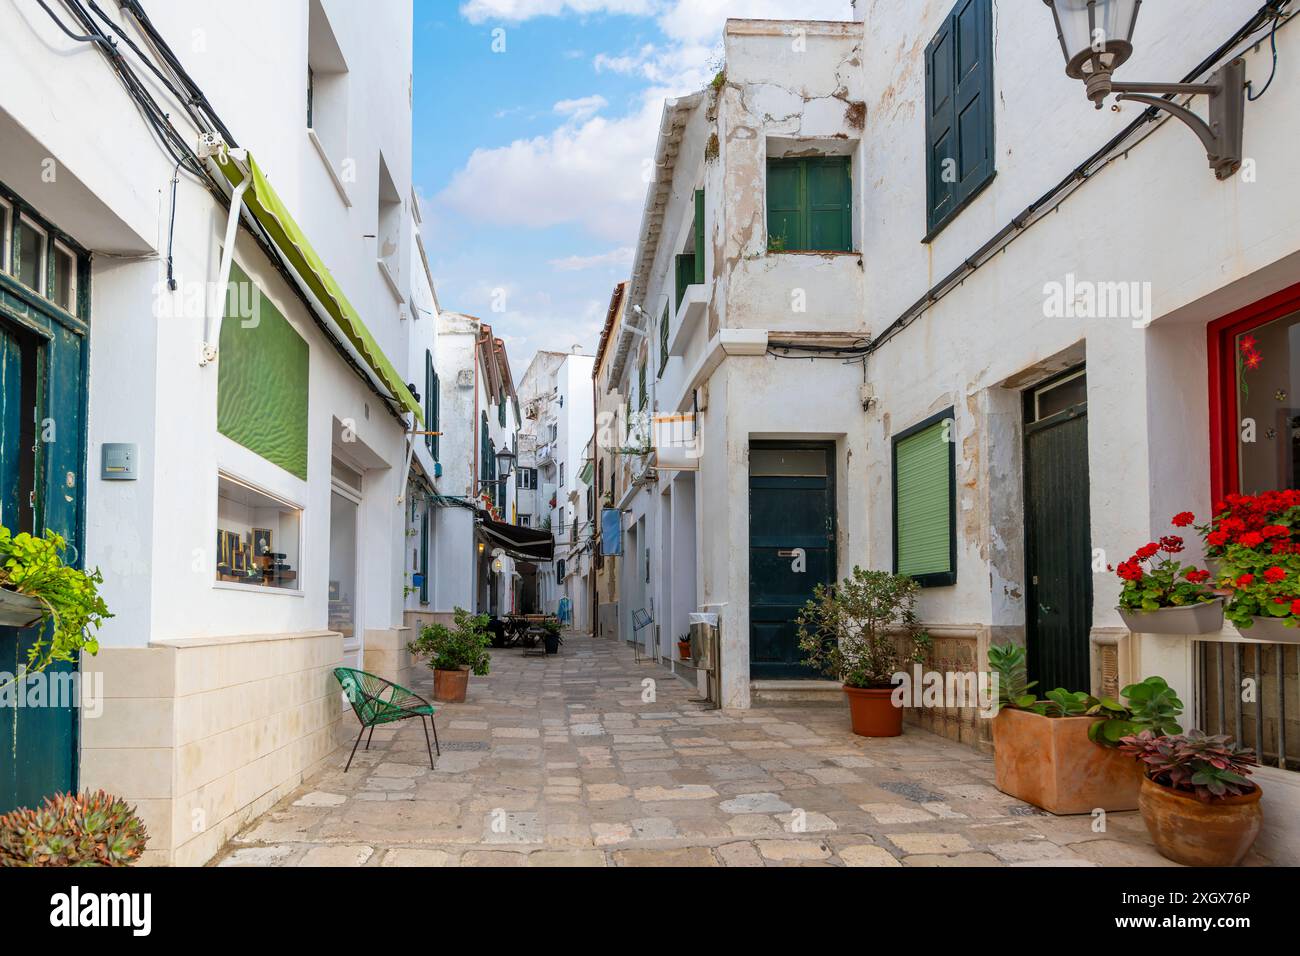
x: 517, y: 11
x: 620, y: 257
x: 581, y: 109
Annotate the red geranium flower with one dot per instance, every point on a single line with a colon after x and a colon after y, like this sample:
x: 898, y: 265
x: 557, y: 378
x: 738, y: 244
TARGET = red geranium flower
x: 1130, y: 570
x: 1295, y: 608
x: 1251, y: 539
x: 1171, y: 543
x: 1197, y: 577
x: 1274, y: 574
x: 1183, y: 519
x: 1275, y: 531
x: 1147, y: 551
x: 1217, y: 539
x: 1245, y: 580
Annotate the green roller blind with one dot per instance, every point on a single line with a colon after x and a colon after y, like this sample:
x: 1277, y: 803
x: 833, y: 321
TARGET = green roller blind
x: 699, y: 237
x: 262, y: 378
x: 923, y: 508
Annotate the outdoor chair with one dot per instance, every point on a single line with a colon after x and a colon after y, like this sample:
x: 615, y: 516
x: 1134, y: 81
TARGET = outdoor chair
x: 377, y: 701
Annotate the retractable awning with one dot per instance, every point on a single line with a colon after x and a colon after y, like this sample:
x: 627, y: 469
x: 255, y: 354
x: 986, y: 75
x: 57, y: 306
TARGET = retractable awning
x: 527, y: 544
x: 269, y: 210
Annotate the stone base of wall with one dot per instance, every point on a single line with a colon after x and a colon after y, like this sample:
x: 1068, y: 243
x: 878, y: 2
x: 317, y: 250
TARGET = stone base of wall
x: 204, y: 734
x: 964, y: 650
x: 386, y: 655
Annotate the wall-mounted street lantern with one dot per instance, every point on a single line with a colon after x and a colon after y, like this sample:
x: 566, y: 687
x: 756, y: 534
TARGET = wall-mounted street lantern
x: 1097, y: 38
x: 505, y: 465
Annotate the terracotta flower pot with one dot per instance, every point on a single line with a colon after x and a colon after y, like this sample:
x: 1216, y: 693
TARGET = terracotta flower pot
x: 684, y: 650
x: 450, y: 686
x: 872, y: 711
x: 1051, y: 763
x: 1199, y: 833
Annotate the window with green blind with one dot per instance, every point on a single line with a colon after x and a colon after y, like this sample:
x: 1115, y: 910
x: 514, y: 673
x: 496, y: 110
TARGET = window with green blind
x: 431, y: 405
x: 810, y: 204
x: 925, y: 510
x: 663, y: 342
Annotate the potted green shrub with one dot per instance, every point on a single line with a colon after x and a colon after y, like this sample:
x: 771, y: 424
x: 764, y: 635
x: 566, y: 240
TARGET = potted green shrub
x: 454, y: 652
x: 72, y: 829
x: 1162, y: 596
x: 862, y: 632
x: 37, y: 586
x: 1196, y: 801
x: 551, y: 638
x: 1060, y: 752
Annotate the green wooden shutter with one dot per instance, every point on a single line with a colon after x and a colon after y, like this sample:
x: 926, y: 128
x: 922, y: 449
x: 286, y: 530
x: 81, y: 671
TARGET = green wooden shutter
x: 641, y: 379
x: 699, y: 237
x: 785, y: 206
x: 663, y: 341
x: 685, y: 275
x: 424, y: 556
x: 430, y: 404
x: 959, y: 110
x: 484, y: 457
x: 434, y: 424
x: 830, y: 204
x: 924, y: 504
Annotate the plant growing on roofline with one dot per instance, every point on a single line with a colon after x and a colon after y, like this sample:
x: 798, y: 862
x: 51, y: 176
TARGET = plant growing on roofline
x: 41, y: 587
x: 862, y: 632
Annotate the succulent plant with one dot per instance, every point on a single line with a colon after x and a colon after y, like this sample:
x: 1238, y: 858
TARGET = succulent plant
x: 1209, y: 768
x: 73, y: 829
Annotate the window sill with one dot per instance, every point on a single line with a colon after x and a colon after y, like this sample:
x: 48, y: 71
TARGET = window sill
x: 257, y: 588
x: 689, y: 313
x: 828, y: 253
x: 957, y: 210
x: 390, y: 281
x: 329, y: 167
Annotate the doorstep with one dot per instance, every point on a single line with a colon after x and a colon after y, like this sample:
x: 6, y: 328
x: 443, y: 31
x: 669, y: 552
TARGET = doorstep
x: 796, y: 691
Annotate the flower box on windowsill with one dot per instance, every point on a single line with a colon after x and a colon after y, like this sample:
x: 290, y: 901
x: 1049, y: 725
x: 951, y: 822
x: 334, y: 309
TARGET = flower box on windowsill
x: 1271, y: 630
x: 1203, y: 618
x: 19, y: 610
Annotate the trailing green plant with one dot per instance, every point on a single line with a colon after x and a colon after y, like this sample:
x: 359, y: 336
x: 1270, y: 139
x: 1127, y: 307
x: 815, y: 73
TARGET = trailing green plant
x: 864, y: 630
x: 1008, y: 662
x: 1208, y: 768
x: 464, y: 646
x: 1152, y: 705
x: 70, y: 597
x: 72, y: 829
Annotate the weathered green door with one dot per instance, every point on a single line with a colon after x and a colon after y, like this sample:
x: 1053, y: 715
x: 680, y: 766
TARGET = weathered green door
x: 1058, y: 546
x: 42, y: 463
x: 791, y: 548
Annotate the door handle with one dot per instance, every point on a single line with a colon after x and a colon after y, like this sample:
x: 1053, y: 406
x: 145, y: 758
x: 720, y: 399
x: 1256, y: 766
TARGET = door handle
x: 1045, y: 609
x: 787, y: 554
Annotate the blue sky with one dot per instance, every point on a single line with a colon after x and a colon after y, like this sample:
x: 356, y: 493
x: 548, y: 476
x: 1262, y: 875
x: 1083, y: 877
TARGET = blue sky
x: 534, y: 120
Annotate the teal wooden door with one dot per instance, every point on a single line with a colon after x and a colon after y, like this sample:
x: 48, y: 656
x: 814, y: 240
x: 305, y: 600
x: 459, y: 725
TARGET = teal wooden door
x: 791, y: 548
x: 1058, y: 545
x: 43, y: 354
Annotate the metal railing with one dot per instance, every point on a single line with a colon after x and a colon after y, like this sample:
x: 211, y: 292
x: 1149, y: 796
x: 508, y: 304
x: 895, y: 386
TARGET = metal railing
x: 1251, y: 691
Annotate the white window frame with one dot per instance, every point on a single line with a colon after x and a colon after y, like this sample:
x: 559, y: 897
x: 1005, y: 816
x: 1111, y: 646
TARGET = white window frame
x: 71, y: 307
x: 41, y: 278
x: 6, y: 222
x: 300, y: 590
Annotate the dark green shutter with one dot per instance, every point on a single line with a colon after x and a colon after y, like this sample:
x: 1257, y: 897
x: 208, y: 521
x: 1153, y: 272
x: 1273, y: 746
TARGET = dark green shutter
x: 641, y: 379
x: 830, y: 204
x: 959, y: 110
x: 484, y: 454
x: 663, y: 341
x: 424, y: 556
x: 430, y: 404
x: 699, y: 237
x: 785, y: 216
x: 923, y: 504
x: 501, y: 409
x: 685, y: 275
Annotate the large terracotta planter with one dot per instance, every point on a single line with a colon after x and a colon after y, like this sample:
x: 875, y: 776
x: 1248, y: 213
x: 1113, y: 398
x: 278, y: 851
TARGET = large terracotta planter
x: 872, y: 711
x: 1051, y: 763
x: 1196, y: 833
x: 450, y: 686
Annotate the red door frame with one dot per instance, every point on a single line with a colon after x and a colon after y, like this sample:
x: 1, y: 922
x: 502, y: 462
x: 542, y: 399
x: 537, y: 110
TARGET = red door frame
x: 1221, y: 334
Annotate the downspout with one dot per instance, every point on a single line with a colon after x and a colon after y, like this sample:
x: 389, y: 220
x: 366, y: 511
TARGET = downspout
x: 212, y: 330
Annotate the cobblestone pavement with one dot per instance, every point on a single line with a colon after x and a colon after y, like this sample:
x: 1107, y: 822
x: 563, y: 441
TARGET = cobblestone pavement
x: 559, y: 762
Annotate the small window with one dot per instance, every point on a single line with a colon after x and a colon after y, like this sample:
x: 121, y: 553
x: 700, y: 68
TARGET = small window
x: 64, y: 293
x: 388, y: 240
x: 525, y: 521
x: 561, y: 474
x: 257, y: 537
x: 29, y: 256
x: 810, y: 204
x: 925, y: 542
x: 959, y: 99
x: 327, y: 86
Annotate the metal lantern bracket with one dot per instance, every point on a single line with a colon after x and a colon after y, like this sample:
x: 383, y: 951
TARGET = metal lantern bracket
x: 1223, y: 135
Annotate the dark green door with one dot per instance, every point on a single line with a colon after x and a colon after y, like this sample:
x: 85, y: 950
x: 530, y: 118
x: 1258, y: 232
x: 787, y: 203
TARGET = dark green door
x: 42, y: 464
x: 791, y: 548
x: 1058, y: 546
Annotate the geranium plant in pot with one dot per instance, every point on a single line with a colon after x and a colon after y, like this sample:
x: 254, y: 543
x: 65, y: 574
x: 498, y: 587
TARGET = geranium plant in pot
x: 1160, y: 595
x: 862, y: 632
x: 39, y: 587
x: 1196, y: 801
x: 1257, y: 541
x: 453, y: 653
x: 684, y: 647
x: 1059, y: 752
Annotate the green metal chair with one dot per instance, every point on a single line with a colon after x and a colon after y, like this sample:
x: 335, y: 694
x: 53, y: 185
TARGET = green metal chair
x: 377, y: 701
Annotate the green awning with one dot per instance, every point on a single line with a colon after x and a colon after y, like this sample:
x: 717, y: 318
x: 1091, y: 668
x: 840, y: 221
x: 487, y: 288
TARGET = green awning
x: 270, y: 211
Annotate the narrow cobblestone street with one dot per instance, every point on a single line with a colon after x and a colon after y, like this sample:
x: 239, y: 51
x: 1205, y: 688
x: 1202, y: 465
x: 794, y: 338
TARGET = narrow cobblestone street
x: 558, y: 761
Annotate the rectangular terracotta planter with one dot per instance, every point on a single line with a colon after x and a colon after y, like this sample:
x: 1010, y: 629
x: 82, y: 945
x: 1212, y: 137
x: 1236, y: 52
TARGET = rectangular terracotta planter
x: 1051, y: 763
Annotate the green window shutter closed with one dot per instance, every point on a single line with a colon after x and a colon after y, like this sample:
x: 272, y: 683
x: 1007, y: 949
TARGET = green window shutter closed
x: 830, y: 204
x: 663, y: 341
x: 699, y: 237
x: 924, y: 504
x: 685, y: 275
x: 785, y: 213
x: 262, y: 373
x: 424, y: 557
x: 641, y: 379
x: 430, y: 404
x: 435, y: 421
x: 959, y: 99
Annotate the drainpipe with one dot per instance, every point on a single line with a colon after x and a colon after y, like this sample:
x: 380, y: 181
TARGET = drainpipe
x: 217, y: 306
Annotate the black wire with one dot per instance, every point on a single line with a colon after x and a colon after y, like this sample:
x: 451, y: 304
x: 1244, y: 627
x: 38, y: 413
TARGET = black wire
x: 138, y: 52
x: 107, y: 44
x: 1272, y: 40
x: 171, y: 229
